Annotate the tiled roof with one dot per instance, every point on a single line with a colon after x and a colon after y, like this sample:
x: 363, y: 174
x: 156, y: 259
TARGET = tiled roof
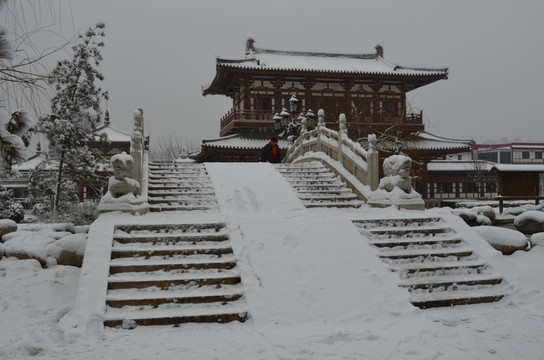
x: 519, y: 167
x: 32, y: 162
x: 325, y: 62
x: 238, y: 141
x: 459, y: 165
x: 113, y: 134
x: 422, y: 140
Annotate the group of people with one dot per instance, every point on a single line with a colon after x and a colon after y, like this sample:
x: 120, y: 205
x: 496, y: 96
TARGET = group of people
x: 270, y: 152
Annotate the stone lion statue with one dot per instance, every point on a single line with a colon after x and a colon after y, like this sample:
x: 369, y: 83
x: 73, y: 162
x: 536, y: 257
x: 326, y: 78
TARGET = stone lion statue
x: 396, y: 171
x: 121, y: 182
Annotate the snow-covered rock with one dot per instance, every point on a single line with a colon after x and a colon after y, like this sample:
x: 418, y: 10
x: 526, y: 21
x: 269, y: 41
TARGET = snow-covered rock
x: 467, y: 215
x: 482, y: 220
x: 530, y: 222
x: 29, y: 245
x: 486, y: 211
x: 7, y: 226
x: 505, y: 240
x: 537, y: 239
x: 68, y: 250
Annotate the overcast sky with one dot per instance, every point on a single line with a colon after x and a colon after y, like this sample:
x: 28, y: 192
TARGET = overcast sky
x: 159, y: 54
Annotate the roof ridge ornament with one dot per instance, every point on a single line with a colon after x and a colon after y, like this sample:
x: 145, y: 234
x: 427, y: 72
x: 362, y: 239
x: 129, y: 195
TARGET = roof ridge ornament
x: 379, y: 50
x: 249, y: 46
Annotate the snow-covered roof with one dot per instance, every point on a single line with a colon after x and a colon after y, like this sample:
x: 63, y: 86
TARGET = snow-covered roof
x: 239, y: 141
x: 422, y: 140
x: 459, y: 165
x: 113, y: 134
x: 324, y: 62
x: 519, y: 167
x: 32, y: 162
x: 317, y: 63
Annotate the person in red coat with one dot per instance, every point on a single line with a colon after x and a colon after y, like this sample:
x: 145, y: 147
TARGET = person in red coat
x: 271, y: 151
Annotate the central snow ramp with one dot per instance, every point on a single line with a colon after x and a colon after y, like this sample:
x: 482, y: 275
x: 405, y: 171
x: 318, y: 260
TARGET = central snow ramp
x: 251, y: 189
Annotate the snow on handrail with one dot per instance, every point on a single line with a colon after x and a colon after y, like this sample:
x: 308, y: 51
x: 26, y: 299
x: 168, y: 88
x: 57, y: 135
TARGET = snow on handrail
x: 337, y: 145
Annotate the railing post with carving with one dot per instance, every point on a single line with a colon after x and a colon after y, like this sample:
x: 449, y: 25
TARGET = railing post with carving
x: 320, y: 124
x: 137, y: 146
x: 342, y: 133
x: 372, y: 162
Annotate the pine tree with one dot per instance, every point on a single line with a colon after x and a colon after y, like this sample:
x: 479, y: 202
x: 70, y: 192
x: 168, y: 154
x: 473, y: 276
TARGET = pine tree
x: 75, y: 109
x: 15, y: 133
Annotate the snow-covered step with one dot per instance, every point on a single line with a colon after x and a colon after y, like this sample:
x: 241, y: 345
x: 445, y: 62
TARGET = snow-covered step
x: 170, y: 239
x: 411, y: 242
x: 179, y: 265
x: 318, y: 192
x: 183, y: 192
x: 326, y: 196
x: 173, y: 314
x: 164, y: 280
x: 433, y: 262
x: 175, y: 267
x: 337, y: 204
x: 201, y: 203
x: 427, y: 300
x: 448, y: 281
x: 317, y: 186
x: 173, y: 207
x: 409, y: 253
x: 411, y: 232
x: 423, y: 269
x: 175, y: 187
x: 198, y: 295
x: 394, y: 223
x: 173, y: 250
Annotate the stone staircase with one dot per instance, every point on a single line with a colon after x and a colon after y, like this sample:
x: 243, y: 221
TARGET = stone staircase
x: 433, y: 262
x: 179, y: 186
x: 317, y: 186
x: 173, y: 274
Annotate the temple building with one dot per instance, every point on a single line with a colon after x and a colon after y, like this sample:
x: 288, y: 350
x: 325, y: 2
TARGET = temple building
x: 368, y: 89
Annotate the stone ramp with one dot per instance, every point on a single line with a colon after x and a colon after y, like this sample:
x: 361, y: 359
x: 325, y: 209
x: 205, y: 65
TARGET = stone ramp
x: 171, y: 274
x: 433, y: 262
x: 180, y: 186
x: 316, y: 186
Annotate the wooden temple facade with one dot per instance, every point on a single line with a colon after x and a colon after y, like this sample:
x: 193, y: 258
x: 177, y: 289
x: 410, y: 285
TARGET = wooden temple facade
x: 368, y: 89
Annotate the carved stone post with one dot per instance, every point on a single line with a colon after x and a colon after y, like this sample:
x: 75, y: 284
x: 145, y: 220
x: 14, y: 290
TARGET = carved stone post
x: 137, y: 146
x: 372, y: 163
x: 320, y: 124
x: 342, y: 132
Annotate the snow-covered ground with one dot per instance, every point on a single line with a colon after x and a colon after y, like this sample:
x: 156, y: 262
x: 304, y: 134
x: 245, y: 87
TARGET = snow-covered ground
x: 314, y: 288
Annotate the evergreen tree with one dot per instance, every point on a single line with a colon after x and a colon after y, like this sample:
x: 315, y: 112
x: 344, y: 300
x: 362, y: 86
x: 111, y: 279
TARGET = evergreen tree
x: 9, y: 208
x: 76, y: 110
x: 15, y: 133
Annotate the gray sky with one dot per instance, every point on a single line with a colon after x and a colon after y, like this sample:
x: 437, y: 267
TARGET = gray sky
x: 158, y: 54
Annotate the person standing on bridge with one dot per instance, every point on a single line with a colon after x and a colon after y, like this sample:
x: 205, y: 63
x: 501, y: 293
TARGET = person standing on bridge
x: 271, y: 151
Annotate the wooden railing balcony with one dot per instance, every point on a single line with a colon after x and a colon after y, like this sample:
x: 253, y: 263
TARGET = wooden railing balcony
x: 237, y: 119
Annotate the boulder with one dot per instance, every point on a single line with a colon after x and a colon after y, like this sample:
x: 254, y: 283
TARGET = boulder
x: 504, y: 240
x: 7, y: 226
x: 530, y: 222
x: 468, y: 216
x: 69, y: 250
x: 537, y: 239
x: 486, y: 211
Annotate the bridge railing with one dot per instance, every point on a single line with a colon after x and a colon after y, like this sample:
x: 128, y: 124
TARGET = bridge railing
x: 361, y: 164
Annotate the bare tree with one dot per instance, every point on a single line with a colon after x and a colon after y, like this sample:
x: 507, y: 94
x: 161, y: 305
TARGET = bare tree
x: 478, y: 172
x: 24, y: 65
x: 169, y: 147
